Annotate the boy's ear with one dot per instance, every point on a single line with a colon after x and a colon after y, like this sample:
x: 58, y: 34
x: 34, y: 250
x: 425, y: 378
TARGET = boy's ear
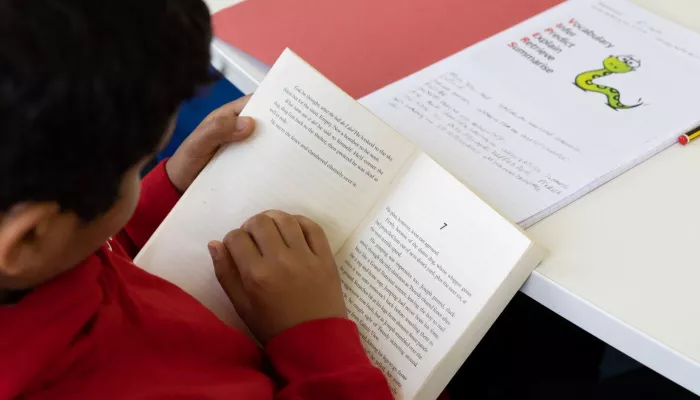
x: 30, y: 233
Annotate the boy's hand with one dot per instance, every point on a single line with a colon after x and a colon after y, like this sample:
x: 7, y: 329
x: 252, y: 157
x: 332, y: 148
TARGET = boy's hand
x: 279, y: 272
x: 221, y: 127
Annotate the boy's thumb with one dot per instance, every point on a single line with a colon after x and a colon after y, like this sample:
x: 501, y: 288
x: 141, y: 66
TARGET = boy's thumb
x: 242, y: 128
x: 211, y: 135
x: 230, y: 128
x: 228, y: 276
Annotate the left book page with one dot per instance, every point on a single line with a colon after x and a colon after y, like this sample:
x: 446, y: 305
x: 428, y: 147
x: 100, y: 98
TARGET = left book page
x: 315, y: 152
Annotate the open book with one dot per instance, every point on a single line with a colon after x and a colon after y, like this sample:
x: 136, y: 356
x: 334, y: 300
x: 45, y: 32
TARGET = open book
x: 426, y: 265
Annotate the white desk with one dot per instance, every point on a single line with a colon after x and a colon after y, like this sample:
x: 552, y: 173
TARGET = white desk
x: 624, y: 263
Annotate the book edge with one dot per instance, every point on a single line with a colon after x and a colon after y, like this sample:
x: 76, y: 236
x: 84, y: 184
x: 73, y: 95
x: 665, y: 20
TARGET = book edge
x: 447, y: 367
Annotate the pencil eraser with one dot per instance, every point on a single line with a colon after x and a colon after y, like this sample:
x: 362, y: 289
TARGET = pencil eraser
x: 683, y: 140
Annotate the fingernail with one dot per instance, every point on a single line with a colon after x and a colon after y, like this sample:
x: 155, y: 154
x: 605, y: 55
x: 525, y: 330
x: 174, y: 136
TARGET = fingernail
x: 242, y: 124
x: 212, y: 251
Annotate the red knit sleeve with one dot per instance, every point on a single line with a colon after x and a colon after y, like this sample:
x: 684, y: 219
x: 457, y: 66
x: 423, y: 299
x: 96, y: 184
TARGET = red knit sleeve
x: 158, y: 197
x: 324, y: 359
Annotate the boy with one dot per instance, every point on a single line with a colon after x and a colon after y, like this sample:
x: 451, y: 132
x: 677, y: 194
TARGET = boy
x: 88, y: 93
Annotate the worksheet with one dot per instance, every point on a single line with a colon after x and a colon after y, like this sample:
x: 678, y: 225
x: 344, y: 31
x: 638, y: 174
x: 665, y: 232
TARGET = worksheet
x: 538, y: 115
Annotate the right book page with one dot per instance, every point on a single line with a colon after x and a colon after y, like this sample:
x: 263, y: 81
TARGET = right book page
x: 427, y: 273
x: 546, y: 111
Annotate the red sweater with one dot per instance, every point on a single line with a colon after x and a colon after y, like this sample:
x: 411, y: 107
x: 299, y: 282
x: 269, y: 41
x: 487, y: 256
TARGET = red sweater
x: 107, y: 329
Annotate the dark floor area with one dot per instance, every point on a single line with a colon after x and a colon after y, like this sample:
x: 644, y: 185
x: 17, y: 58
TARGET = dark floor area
x: 532, y: 353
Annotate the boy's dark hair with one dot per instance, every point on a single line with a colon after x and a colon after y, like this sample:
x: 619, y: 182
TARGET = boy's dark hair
x: 87, y: 89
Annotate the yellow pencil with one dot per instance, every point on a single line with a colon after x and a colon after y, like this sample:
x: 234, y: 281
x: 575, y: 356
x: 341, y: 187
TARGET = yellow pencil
x: 688, y: 137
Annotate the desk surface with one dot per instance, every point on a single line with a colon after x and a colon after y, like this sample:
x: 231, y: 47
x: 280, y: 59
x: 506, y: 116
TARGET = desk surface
x: 623, y: 264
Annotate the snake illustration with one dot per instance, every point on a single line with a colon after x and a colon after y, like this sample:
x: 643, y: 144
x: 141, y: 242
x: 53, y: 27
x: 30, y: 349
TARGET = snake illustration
x: 611, y: 65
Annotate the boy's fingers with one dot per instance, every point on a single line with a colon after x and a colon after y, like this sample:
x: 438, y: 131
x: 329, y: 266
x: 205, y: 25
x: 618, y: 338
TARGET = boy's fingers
x: 315, y: 237
x: 289, y: 228
x: 228, y: 276
x: 265, y: 234
x: 243, y: 250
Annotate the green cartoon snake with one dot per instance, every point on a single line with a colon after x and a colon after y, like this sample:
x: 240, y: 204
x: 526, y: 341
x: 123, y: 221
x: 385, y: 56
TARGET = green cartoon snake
x: 611, y: 65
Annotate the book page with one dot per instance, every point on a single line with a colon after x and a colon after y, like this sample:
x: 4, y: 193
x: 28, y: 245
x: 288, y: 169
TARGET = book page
x: 538, y: 115
x: 417, y: 273
x: 315, y: 152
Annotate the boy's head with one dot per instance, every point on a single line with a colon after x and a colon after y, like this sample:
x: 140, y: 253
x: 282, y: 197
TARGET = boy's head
x: 88, y: 92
